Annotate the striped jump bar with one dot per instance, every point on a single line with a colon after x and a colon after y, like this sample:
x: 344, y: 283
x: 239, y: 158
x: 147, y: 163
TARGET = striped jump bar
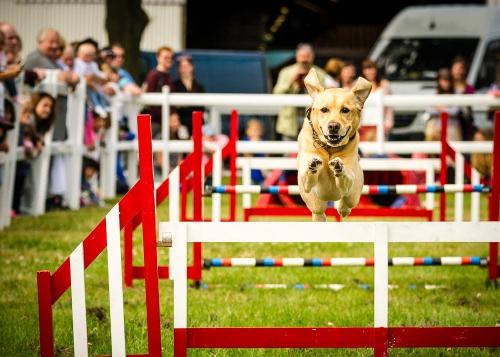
x: 330, y: 262
x: 367, y: 189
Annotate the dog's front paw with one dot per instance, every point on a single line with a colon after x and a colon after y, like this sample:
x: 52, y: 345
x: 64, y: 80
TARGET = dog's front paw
x: 314, y: 165
x: 337, y: 166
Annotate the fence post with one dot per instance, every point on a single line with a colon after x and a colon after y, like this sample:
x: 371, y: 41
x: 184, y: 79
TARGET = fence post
x: 75, y: 118
x: 197, y: 189
x: 9, y: 172
x: 165, y: 131
x: 494, y: 200
x: 443, y: 176
x: 232, y: 164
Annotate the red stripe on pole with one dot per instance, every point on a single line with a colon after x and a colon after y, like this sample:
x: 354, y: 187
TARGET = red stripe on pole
x: 443, y: 175
x: 369, y: 262
x: 148, y: 216
x: 326, y: 262
x: 421, y: 188
x: 280, y: 337
x: 373, y: 189
x: 423, y: 337
x: 418, y: 261
x: 180, y: 342
x: 232, y: 163
x: 226, y: 262
x: 283, y: 189
x: 128, y: 255
x: 468, y: 188
x: 197, y: 188
x: 466, y: 260
x: 45, y: 320
x: 278, y: 262
x: 494, y: 199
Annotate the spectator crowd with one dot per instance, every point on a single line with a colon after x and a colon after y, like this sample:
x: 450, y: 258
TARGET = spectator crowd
x: 101, y: 68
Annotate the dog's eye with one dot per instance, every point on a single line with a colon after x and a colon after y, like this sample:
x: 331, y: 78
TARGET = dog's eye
x: 344, y: 110
x: 324, y: 110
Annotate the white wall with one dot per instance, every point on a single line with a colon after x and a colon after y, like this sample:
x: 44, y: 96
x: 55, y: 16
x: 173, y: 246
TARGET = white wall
x: 76, y: 21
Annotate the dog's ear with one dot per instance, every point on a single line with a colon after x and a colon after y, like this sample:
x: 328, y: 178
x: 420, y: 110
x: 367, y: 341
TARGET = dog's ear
x: 312, y: 83
x: 361, y: 91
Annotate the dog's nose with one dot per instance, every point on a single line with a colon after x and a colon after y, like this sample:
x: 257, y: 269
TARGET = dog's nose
x: 333, y: 127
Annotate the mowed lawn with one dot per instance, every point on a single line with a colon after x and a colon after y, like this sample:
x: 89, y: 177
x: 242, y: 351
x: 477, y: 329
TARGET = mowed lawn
x: 460, y: 297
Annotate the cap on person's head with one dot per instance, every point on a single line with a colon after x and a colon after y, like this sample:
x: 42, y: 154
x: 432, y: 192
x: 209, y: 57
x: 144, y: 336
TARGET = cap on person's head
x: 304, y: 47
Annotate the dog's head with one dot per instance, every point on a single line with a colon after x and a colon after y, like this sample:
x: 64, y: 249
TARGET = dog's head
x: 335, y: 113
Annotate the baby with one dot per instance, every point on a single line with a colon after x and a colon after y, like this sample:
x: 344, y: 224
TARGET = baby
x: 86, y: 67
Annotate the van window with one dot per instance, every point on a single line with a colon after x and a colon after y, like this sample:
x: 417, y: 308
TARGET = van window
x: 489, y: 72
x: 419, y: 59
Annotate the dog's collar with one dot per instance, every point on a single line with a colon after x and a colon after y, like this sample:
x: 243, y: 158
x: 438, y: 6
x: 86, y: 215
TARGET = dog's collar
x: 320, y: 144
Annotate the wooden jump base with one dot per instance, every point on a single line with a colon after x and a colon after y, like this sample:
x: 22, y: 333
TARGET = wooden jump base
x: 342, y: 262
x: 332, y: 212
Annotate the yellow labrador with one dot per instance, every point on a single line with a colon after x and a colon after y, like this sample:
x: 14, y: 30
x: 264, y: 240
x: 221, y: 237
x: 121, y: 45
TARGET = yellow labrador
x: 328, y: 160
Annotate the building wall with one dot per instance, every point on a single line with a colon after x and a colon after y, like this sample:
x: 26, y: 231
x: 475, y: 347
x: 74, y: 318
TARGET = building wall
x: 76, y: 20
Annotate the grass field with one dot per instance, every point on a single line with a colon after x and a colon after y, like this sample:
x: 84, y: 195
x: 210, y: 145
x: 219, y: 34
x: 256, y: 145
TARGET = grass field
x: 35, y: 243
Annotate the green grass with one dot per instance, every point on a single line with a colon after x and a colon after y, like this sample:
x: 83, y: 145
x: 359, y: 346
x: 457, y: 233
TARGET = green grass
x: 32, y: 244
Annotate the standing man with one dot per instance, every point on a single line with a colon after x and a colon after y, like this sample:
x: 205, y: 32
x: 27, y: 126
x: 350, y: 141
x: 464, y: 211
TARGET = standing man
x: 46, y: 56
x: 291, y: 81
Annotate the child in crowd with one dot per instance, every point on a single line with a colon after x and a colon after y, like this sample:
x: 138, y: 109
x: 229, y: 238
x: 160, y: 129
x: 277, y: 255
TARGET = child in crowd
x: 89, y: 193
x: 254, y: 132
x: 86, y: 67
x: 37, y: 118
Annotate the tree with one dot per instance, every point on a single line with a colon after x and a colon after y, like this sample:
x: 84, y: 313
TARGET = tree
x: 125, y: 23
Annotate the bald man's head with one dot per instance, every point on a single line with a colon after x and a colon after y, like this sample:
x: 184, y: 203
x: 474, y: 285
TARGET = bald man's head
x: 48, y: 43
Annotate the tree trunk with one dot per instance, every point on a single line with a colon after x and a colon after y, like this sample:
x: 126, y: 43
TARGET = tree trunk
x: 125, y: 23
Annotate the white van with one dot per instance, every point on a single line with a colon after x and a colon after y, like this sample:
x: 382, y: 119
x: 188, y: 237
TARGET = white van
x: 421, y: 40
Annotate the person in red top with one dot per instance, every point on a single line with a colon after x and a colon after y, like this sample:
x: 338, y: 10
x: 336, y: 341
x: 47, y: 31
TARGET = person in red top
x: 155, y: 80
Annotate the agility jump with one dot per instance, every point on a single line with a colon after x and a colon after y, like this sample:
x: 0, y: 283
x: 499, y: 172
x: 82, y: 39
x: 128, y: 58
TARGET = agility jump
x: 139, y: 202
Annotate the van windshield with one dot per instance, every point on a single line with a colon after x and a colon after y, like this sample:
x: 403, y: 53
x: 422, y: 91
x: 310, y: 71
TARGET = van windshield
x: 419, y: 59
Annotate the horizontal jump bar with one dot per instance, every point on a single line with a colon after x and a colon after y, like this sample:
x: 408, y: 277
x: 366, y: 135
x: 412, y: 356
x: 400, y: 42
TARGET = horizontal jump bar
x: 338, y: 337
x: 331, y: 262
x: 367, y: 189
x: 333, y: 232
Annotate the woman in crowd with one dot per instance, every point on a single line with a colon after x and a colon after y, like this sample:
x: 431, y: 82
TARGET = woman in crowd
x: 348, y: 76
x: 187, y: 83
x: 458, y: 121
x: 37, y: 118
x: 380, y: 87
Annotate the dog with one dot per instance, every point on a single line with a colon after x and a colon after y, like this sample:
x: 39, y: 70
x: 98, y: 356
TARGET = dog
x: 328, y: 159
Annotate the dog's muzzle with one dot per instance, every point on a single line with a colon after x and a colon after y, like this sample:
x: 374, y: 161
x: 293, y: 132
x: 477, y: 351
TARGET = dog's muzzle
x: 334, y: 138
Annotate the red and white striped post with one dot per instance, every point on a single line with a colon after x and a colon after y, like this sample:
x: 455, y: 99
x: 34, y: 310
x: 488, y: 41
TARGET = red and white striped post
x: 494, y: 199
x: 197, y: 189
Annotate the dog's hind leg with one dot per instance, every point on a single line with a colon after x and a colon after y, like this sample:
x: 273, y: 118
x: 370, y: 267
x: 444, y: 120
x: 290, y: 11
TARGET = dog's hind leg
x: 315, y: 205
